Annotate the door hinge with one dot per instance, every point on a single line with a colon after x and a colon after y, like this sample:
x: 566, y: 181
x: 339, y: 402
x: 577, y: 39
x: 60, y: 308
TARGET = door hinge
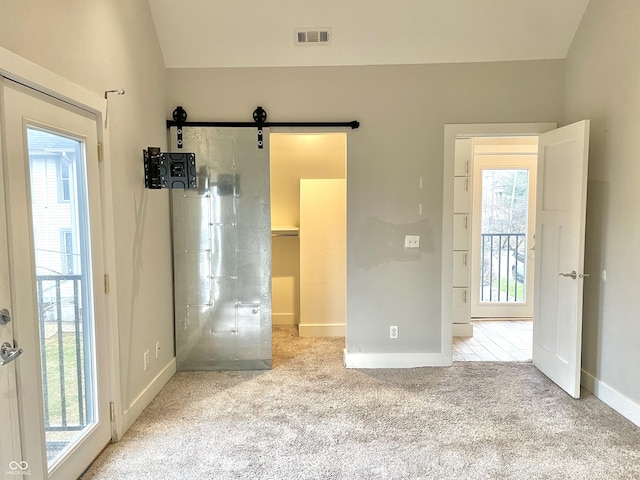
x: 112, y: 411
x: 100, y: 152
x: 106, y: 284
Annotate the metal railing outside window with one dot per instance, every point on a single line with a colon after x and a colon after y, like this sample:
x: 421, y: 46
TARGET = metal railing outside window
x: 503, y: 267
x: 61, y: 341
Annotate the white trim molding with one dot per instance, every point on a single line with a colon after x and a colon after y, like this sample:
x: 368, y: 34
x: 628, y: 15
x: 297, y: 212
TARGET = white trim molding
x: 32, y: 75
x: 463, y: 329
x: 284, y: 319
x: 322, y: 330
x: 609, y: 395
x: 143, y: 400
x: 396, y: 360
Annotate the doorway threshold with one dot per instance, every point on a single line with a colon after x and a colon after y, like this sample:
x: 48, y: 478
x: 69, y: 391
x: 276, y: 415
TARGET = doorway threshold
x: 496, y: 340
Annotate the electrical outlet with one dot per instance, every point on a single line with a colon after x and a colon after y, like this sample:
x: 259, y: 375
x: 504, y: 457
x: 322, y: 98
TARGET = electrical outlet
x: 393, y: 331
x: 157, y: 350
x: 146, y: 360
x: 412, y: 241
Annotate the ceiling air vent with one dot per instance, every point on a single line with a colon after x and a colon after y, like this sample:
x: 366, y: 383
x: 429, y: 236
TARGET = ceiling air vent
x: 312, y: 36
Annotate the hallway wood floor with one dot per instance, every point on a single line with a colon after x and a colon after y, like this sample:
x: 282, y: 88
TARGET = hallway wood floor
x: 496, y: 340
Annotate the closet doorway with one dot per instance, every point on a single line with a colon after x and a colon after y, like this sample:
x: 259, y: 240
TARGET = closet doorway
x: 308, y: 218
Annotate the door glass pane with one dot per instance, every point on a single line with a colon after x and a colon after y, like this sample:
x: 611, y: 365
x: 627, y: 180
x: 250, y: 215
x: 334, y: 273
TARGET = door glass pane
x: 503, y: 243
x: 63, y: 284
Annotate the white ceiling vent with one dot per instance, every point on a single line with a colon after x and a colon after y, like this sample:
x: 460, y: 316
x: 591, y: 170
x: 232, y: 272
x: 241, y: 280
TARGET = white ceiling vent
x: 312, y: 36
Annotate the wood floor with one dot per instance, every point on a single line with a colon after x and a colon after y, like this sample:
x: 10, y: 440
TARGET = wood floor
x: 496, y: 340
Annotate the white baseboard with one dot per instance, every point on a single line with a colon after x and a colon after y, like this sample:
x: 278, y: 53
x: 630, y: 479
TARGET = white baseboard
x: 463, y: 330
x: 322, y: 330
x: 146, y: 396
x: 621, y: 404
x: 284, y: 319
x: 396, y: 360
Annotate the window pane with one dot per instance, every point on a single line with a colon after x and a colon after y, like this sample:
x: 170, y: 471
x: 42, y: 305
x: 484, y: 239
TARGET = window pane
x: 505, y: 207
x: 61, y: 236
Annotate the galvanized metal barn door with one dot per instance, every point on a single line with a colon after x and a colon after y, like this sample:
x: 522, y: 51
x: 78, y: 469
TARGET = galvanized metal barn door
x: 222, y: 252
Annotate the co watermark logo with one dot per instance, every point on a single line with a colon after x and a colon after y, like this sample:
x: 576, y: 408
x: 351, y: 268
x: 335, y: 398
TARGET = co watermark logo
x: 18, y: 468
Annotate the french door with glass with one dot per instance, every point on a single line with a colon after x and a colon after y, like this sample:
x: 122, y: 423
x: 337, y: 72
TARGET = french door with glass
x: 54, y: 376
x: 503, y: 231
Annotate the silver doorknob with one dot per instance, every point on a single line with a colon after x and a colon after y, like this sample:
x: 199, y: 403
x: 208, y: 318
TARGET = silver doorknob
x: 573, y: 275
x: 8, y: 353
x: 5, y: 316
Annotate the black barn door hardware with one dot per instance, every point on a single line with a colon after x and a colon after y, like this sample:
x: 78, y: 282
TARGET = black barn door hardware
x: 259, y: 122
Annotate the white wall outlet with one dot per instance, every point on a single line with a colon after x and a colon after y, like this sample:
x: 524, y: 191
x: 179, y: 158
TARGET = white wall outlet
x: 157, y: 350
x: 146, y: 360
x: 393, y: 331
x: 412, y: 241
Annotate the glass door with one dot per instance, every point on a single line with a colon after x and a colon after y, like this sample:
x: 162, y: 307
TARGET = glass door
x: 502, y: 246
x: 55, y: 270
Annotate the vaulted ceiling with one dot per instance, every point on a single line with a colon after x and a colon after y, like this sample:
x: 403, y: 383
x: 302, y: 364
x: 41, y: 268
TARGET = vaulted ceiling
x: 251, y: 33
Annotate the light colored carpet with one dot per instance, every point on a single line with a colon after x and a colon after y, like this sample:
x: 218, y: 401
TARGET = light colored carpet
x: 310, y: 418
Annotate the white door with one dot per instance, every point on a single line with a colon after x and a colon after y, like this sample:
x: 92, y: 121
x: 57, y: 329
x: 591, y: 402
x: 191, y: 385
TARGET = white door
x: 51, y: 256
x: 11, y: 462
x: 560, y: 229
x: 502, y: 236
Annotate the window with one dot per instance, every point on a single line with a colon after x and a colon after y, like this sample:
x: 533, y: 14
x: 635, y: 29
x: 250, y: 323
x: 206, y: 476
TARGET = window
x: 66, y: 251
x: 64, y: 192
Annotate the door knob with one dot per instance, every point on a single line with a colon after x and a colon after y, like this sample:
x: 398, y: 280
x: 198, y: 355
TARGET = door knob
x: 5, y: 316
x: 8, y: 353
x: 573, y: 275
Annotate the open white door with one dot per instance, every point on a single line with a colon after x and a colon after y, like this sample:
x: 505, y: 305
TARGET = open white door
x: 55, y: 382
x: 560, y: 228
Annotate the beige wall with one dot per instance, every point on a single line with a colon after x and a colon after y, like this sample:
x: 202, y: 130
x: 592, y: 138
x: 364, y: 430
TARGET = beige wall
x: 99, y: 46
x: 285, y: 280
x: 294, y: 156
x: 323, y: 267
x: 603, y: 84
x: 402, y: 110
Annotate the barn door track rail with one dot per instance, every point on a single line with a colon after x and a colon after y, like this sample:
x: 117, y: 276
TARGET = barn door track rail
x: 259, y: 122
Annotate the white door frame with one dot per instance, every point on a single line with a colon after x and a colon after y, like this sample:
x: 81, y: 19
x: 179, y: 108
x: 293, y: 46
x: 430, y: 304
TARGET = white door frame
x: 21, y: 70
x: 10, y: 441
x: 451, y: 132
x: 334, y: 329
